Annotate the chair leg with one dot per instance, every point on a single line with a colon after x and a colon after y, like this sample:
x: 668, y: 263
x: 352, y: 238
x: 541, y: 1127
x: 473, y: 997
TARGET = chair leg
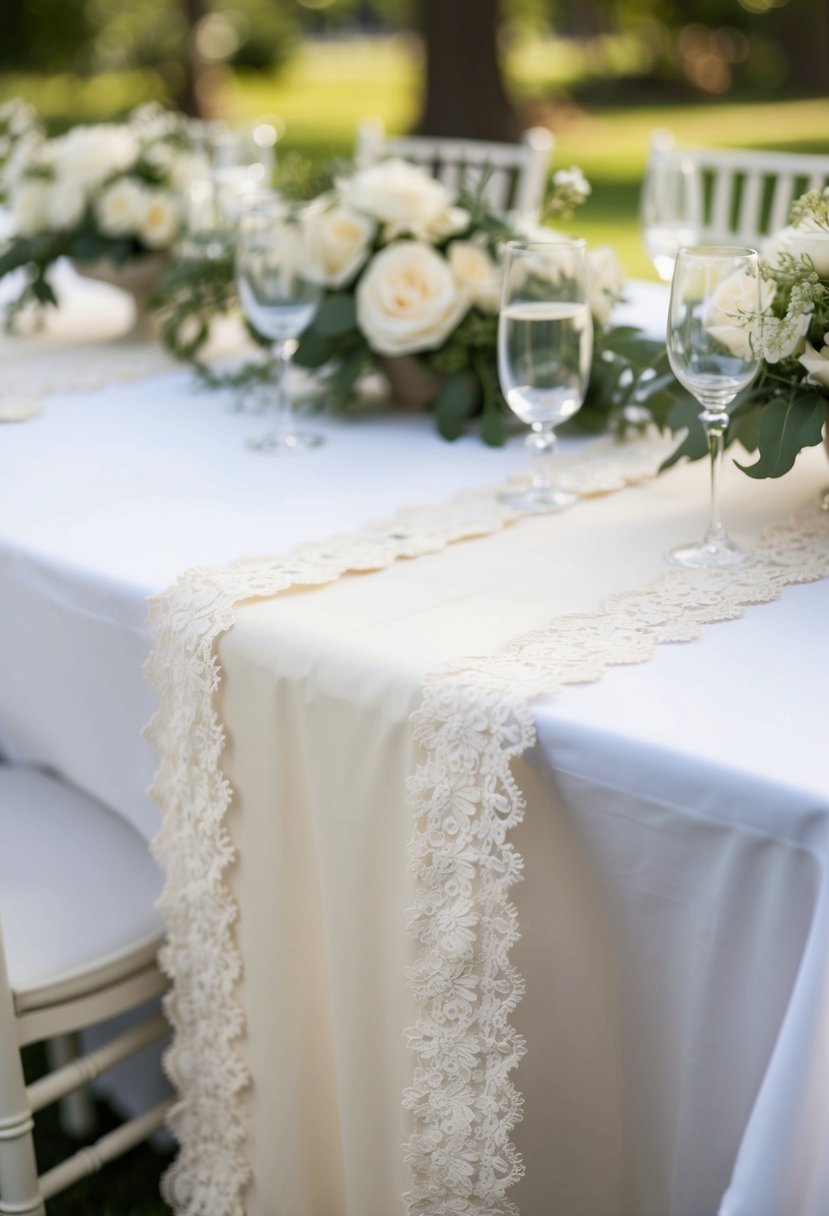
x: 19, y: 1187
x: 77, y: 1111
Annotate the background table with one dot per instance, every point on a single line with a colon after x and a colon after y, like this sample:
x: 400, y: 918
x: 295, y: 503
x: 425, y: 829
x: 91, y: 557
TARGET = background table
x: 674, y: 914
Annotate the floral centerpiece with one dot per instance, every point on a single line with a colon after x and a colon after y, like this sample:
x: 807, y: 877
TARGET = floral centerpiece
x: 411, y: 277
x: 787, y: 406
x: 107, y: 196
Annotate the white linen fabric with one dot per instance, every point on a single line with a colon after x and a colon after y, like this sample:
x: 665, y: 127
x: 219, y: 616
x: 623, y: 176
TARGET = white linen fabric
x: 362, y: 1190
x: 674, y: 897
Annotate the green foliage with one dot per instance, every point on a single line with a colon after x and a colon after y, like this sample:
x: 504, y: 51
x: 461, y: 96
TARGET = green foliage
x: 193, y: 292
x: 786, y: 424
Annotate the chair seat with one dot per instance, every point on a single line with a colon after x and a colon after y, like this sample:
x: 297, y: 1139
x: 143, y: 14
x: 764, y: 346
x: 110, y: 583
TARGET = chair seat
x: 77, y: 891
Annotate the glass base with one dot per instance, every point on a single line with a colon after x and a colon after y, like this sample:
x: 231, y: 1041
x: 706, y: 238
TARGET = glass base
x: 540, y: 499
x: 293, y: 441
x: 708, y: 554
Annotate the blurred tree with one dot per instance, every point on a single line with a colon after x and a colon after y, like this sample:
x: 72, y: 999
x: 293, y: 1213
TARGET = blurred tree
x: 46, y: 35
x: 465, y: 94
x: 802, y: 29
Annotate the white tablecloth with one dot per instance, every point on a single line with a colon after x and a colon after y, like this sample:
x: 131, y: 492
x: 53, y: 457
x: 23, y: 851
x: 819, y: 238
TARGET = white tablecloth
x: 689, y: 795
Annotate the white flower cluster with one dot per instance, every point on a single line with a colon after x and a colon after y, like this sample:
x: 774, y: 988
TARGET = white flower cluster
x: 795, y: 268
x: 120, y: 179
x: 427, y: 266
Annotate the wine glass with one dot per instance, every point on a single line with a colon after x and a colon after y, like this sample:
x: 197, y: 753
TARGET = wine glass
x: 671, y: 209
x: 280, y: 302
x: 545, y: 341
x: 713, y: 327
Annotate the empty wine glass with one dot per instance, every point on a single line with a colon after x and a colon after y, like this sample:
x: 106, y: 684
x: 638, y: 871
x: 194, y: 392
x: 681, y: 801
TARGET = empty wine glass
x: 714, y: 351
x: 280, y: 302
x: 671, y: 209
x: 545, y: 341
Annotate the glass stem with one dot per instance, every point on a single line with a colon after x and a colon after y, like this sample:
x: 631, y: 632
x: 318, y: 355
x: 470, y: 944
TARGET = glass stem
x: 283, y: 409
x: 715, y: 421
x: 541, y: 443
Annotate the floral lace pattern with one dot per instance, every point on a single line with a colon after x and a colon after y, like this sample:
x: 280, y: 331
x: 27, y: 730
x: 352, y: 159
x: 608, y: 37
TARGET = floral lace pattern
x: 475, y: 718
x: 33, y: 372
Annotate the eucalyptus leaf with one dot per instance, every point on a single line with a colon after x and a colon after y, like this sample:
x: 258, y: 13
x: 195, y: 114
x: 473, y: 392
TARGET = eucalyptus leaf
x: 337, y: 315
x: 315, y: 348
x: 455, y: 402
x: 785, y: 427
x: 684, y: 415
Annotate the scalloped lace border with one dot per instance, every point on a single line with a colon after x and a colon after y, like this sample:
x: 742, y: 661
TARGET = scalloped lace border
x: 475, y: 717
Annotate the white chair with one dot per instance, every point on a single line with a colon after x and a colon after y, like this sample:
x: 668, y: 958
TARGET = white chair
x: 79, y: 936
x: 744, y: 195
x: 518, y: 172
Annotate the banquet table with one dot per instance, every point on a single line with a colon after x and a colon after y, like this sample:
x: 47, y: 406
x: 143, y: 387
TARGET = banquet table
x: 673, y: 908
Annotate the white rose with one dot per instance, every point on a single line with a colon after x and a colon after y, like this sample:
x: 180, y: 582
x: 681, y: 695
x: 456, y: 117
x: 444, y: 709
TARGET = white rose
x: 63, y: 206
x: 605, y: 282
x: 809, y: 238
x: 89, y: 155
x: 408, y: 300
x: 337, y: 242
x: 121, y: 207
x: 476, y: 273
x: 159, y: 222
x: 28, y: 204
x: 816, y: 363
x: 396, y: 193
x: 23, y: 153
x: 448, y: 222
x: 732, y: 316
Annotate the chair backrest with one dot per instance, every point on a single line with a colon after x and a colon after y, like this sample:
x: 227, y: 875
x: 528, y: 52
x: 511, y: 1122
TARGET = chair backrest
x: 517, y: 172
x: 745, y: 195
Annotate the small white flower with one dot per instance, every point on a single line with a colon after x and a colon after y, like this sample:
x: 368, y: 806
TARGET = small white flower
x: 572, y: 180
x: 120, y: 209
x: 159, y: 222
x: 476, y: 273
x: 408, y: 300
x: 816, y: 363
x: 336, y: 242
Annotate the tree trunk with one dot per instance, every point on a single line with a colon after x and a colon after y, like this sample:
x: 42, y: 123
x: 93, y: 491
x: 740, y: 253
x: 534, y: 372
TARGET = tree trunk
x: 189, y: 100
x: 465, y: 94
x: 802, y: 29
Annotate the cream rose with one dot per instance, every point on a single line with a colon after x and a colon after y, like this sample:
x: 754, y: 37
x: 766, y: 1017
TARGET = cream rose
x: 28, y: 205
x: 605, y: 282
x: 405, y: 199
x: 120, y: 209
x: 809, y: 238
x: 159, y: 221
x: 816, y: 363
x: 476, y: 273
x: 408, y: 300
x: 89, y: 155
x: 732, y: 316
x: 336, y: 242
x: 63, y: 206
